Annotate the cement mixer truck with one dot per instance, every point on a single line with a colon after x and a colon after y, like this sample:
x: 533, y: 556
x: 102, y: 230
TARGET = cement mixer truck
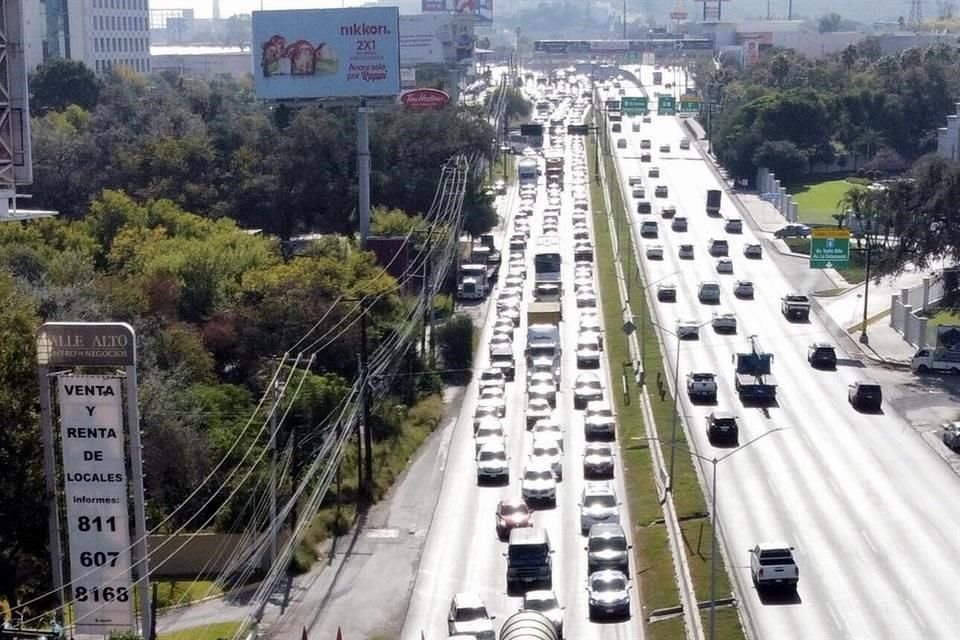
x: 528, y: 625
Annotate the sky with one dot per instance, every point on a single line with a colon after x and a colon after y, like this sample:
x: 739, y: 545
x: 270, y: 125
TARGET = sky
x: 204, y: 8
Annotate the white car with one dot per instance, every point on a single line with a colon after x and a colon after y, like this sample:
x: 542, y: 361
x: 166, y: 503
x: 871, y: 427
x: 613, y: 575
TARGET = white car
x: 586, y: 389
x: 743, y: 289
x: 489, y: 435
x: 589, y: 321
x: 513, y: 313
x: 494, y: 397
x: 598, y: 503
x: 586, y: 298
x: 513, y: 280
x: 583, y: 282
x: 724, y: 322
x: 655, y: 252
x: 685, y: 252
x: 539, y: 484
x: 549, y: 429
x: 542, y: 385
x: 547, y: 452
x: 493, y: 464
x: 518, y: 268
x: 583, y: 270
x: 491, y: 377
x: 688, y: 330
x: 599, y: 421
x: 724, y: 265
x: 588, y: 352
x: 608, y: 594
x: 501, y: 339
x: 537, y: 409
x: 485, y: 415
x: 468, y: 618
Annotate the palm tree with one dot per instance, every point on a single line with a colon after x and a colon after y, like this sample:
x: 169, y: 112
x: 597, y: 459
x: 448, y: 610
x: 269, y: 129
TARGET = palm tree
x: 864, y: 205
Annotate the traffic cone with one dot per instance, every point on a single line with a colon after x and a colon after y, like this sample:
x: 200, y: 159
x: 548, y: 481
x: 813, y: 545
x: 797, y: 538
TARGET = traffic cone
x: 339, y: 634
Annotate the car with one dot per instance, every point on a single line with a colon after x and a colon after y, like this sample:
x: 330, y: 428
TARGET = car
x: 644, y: 157
x: 494, y: 397
x: 644, y: 144
x: 821, y: 355
x: 485, y: 414
x: 724, y: 265
x: 653, y: 172
x: 500, y: 187
x: 772, y: 565
x: 545, y: 603
x: 865, y: 395
x: 500, y: 339
x: 589, y: 322
x: 548, y: 429
x: 492, y: 377
x: 598, y: 460
x: 668, y: 211
x: 583, y: 251
x: 547, y: 452
x: 667, y: 292
x: 722, y: 427
x: 579, y: 232
x: 468, y: 616
x: 599, y: 422
x: 537, y: 409
x: 541, y: 383
x: 733, y: 225
x: 639, y: 193
x: 951, y: 434
x: 724, y: 322
x: 513, y: 280
x: 649, y: 229
x: 493, y: 464
x: 718, y: 248
x: 583, y: 282
x: 644, y: 207
x: 586, y: 298
x: 654, y: 252
x: 665, y: 148
x: 552, y: 230
x: 685, y: 144
x: 539, y: 484
x: 688, y: 330
x: 598, y: 503
x: 512, y: 513
x: 622, y: 142
x: 743, y: 289
x: 752, y: 250
x: 709, y: 292
x: 588, y: 352
x: 660, y: 191
x: 685, y: 252
x: 608, y: 594
x: 646, y: 119
x: 792, y: 231
x: 586, y: 389
x: 489, y: 434
x: 679, y: 223
x: 636, y: 127
x: 607, y: 548
x: 634, y: 180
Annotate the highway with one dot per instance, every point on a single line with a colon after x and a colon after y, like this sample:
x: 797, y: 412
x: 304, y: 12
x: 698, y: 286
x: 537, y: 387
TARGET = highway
x: 462, y: 552
x: 873, y: 512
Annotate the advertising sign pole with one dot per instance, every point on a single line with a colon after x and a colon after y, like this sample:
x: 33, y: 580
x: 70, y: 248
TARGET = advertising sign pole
x: 49, y: 471
x: 139, y: 510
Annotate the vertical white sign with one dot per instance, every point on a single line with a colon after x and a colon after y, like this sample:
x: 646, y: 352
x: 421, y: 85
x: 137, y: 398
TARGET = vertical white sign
x: 95, y: 486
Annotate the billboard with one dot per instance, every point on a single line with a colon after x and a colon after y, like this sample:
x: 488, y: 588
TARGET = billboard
x: 420, y: 99
x: 482, y: 10
x: 326, y: 53
x: 426, y: 39
x: 95, y: 488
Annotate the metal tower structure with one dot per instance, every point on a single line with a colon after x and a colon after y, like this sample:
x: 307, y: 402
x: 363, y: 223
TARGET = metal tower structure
x: 916, y: 12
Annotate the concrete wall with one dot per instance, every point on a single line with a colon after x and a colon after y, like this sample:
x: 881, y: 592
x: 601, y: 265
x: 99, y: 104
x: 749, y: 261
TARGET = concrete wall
x: 816, y: 45
x: 203, y: 555
x: 906, y: 307
x: 948, y: 137
x: 206, y: 65
x: 891, y: 43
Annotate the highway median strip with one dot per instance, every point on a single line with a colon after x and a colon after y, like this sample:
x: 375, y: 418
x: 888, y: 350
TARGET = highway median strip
x: 654, y: 563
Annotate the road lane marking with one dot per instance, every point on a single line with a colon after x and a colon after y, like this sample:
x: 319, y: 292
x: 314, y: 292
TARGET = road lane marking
x: 869, y: 542
x: 916, y: 616
x: 835, y: 616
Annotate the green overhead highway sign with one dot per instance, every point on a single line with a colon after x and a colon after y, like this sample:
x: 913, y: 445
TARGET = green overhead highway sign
x: 689, y: 106
x: 633, y: 105
x: 829, y: 248
x: 666, y: 105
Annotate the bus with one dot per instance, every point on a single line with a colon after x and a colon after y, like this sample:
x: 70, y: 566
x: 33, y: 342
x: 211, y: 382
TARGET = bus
x: 528, y: 170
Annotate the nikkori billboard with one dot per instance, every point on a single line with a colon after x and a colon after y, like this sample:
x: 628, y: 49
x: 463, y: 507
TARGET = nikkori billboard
x: 327, y: 53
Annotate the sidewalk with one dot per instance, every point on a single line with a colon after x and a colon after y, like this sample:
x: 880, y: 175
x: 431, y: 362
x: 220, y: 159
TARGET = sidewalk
x: 842, y: 307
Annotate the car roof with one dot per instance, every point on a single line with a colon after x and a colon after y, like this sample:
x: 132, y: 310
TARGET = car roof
x: 596, y: 405
x: 606, y: 530
x: 721, y: 414
x: 773, y: 545
x: 598, y: 488
x: 587, y: 375
x: 468, y: 600
x: 541, y: 594
x: 822, y: 345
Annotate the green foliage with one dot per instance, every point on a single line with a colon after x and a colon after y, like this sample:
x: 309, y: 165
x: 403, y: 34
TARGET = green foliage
x: 782, y: 157
x: 125, y: 635
x: 392, y: 222
x: 61, y: 82
x: 442, y: 306
x: 455, y: 339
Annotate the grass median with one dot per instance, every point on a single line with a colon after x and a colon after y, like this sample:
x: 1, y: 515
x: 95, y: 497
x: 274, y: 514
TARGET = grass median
x: 653, y: 560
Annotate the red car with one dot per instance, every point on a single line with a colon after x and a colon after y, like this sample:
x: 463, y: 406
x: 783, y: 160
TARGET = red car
x: 512, y: 514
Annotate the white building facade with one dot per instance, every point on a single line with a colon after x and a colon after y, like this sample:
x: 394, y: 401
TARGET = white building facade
x: 103, y: 34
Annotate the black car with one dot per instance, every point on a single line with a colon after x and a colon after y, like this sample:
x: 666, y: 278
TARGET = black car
x: 607, y: 548
x: 644, y: 207
x: 722, y: 427
x: 667, y: 293
x: 865, y: 395
x: 822, y: 356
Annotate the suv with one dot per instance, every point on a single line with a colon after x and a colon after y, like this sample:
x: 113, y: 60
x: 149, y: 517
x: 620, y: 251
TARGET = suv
x: 951, y: 435
x: 660, y: 191
x: 865, y: 395
x: 644, y: 144
x: 792, y: 231
x: 733, y: 225
x: 468, y: 615
x: 649, y: 229
x: 644, y: 207
x: 722, y: 426
x: 598, y: 504
x: 709, y: 292
x: 528, y: 558
x: 667, y: 292
x: 822, y: 355
x: 718, y: 248
x: 607, y: 548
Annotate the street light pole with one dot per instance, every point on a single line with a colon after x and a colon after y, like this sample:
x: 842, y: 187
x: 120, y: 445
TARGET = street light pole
x: 713, y: 552
x: 864, y: 338
x: 624, y: 19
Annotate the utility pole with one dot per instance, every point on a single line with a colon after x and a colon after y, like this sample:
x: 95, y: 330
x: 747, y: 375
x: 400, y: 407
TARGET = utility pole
x: 624, y: 19
x: 273, y: 472
x: 365, y: 408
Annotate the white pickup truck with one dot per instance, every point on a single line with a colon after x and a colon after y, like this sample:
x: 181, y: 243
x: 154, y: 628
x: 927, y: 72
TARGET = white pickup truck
x: 926, y: 360
x: 702, y: 386
x: 772, y: 565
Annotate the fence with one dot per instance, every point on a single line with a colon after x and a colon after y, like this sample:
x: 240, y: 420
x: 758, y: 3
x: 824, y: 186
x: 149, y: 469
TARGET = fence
x: 773, y: 192
x: 905, y: 307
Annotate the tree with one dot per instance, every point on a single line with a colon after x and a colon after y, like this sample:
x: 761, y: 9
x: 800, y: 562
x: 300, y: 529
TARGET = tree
x: 782, y: 157
x: 829, y: 22
x: 455, y: 338
x: 61, y: 82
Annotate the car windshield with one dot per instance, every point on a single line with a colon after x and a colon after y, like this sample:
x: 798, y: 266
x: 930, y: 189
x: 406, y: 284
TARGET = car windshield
x: 608, y: 544
x: 596, y: 451
x: 546, y: 451
x: 490, y: 456
x: 470, y: 614
x: 593, y: 385
x: 535, y: 604
x: 597, y: 502
x: 538, y: 474
x: 514, y: 510
x: 489, y: 432
x: 609, y: 584
x: 601, y: 413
